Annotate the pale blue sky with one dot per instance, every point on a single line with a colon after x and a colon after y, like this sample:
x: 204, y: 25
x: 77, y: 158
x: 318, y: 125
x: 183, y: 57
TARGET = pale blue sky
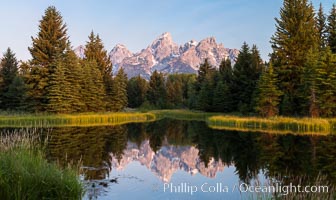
x: 136, y: 23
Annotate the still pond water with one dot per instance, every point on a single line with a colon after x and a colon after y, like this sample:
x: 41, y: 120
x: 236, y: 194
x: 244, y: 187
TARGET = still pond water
x: 172, y: 159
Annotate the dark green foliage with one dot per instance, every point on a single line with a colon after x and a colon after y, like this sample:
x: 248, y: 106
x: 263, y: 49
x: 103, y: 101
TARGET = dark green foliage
x: 205, y: 72
x: 295, y: 35
x: 156, y: 94
x: 205, y: 85
x: 95, y: 51
x: 57, y: 101
x: 93, y: 91
x: 49, y: 47
x: 320, y: 84
x: 16, y: 95
x: 326, y: 74
x: 222, y: 98
x: 311, y: 84
x: 52, y: 39
x: 245, y: 75
x: 174, y: 91
x: 225, y: 70
x: 267, y: 94
x: 332, y: 29
x: 192, y: 98
x: 136, y: 91
x: 321, y: 27
x: 206, y: 94
x: 12, y: 87
x: 73, y: 73
x: 119, y: 91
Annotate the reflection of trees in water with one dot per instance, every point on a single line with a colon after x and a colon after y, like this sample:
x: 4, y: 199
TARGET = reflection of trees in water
x: 249, y: 152
x: 91, y: 145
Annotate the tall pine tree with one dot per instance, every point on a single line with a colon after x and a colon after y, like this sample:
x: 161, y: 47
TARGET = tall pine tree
x: 332, y: 29
x: 95, y: 51
x: 267, y: 94
x: 12, y: 88
x: 295, y: 35
x: 156, y: 94
x: 321, y: 27
x: 245, y: 76
x: 48, y: 48
x: 136, y: 91
x: 119, y: 91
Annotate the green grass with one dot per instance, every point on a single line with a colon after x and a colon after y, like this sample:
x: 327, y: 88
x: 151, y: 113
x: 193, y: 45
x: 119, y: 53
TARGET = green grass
x: 88, y: 119
x: 278, y: 125
x: 272, y: 125
x: 26, y: 174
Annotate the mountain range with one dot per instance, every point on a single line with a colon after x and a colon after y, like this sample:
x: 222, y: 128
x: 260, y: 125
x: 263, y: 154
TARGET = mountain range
x: 164, y: 55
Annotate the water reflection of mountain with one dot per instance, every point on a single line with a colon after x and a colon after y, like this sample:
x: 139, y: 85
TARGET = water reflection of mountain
x: 169, y: 159
x: 166, y: 146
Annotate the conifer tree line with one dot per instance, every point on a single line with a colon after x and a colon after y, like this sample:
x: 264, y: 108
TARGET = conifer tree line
x: 299, y: 80
x: 55, y: 80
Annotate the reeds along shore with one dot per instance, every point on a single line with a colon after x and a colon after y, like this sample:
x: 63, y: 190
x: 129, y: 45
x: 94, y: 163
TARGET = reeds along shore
x: 94, y: 119
x: 279, y: 125
x: 26, y: 174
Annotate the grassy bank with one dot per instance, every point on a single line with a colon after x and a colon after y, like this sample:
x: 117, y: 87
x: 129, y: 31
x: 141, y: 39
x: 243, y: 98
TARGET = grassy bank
x: 26, y: 174
x: 272, y: 125
x: 87, y: 119
x: 279, y: 125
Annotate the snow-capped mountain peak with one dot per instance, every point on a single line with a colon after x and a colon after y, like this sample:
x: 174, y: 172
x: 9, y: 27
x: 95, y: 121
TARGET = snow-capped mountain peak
x: 164, y: 55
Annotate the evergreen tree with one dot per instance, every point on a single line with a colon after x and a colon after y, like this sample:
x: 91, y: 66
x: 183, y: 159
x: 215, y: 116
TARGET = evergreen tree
x: 223, y: 93
x: 64, y: 87
x: 311, y: 84
x: 268, y: 95
x: 225, y: 70
x: 245, y: 75
x: 16, y: 94
x: 321, y: 27
x: 57, y: 101
x: 295, y: 35
x: 222, y: 98
x: 204, y: 71
x: 191, y: 94
x: 204, y: 86
x: 136, y: 91
x: 174, y: 89
x: 73, y: 74
x: 156, y: 94
x: 95, y: 51
x: 10, y: 83
x: 332, y: 29
x: 327, y: 83
x: 119, y: 91
x: 93, y: 91
x: 204, y: 97
x: 49, y: 45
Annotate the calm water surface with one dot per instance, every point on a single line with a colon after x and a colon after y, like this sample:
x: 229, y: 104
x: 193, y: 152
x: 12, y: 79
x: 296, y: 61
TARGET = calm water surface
x: 170, y: 159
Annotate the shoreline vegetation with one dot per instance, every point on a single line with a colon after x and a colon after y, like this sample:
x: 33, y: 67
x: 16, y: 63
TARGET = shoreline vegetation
x: 87, y: 119
x: 25, y: 173
x: 274, y: 125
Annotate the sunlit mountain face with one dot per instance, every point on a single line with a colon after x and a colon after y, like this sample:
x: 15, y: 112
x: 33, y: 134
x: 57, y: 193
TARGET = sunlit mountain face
x: 165, y: 56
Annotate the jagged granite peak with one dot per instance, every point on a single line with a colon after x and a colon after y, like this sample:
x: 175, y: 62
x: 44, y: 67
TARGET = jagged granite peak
x: 119, y: 53
x: 164, y: 47
x: 165, y: 56
x: 79, y: 51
